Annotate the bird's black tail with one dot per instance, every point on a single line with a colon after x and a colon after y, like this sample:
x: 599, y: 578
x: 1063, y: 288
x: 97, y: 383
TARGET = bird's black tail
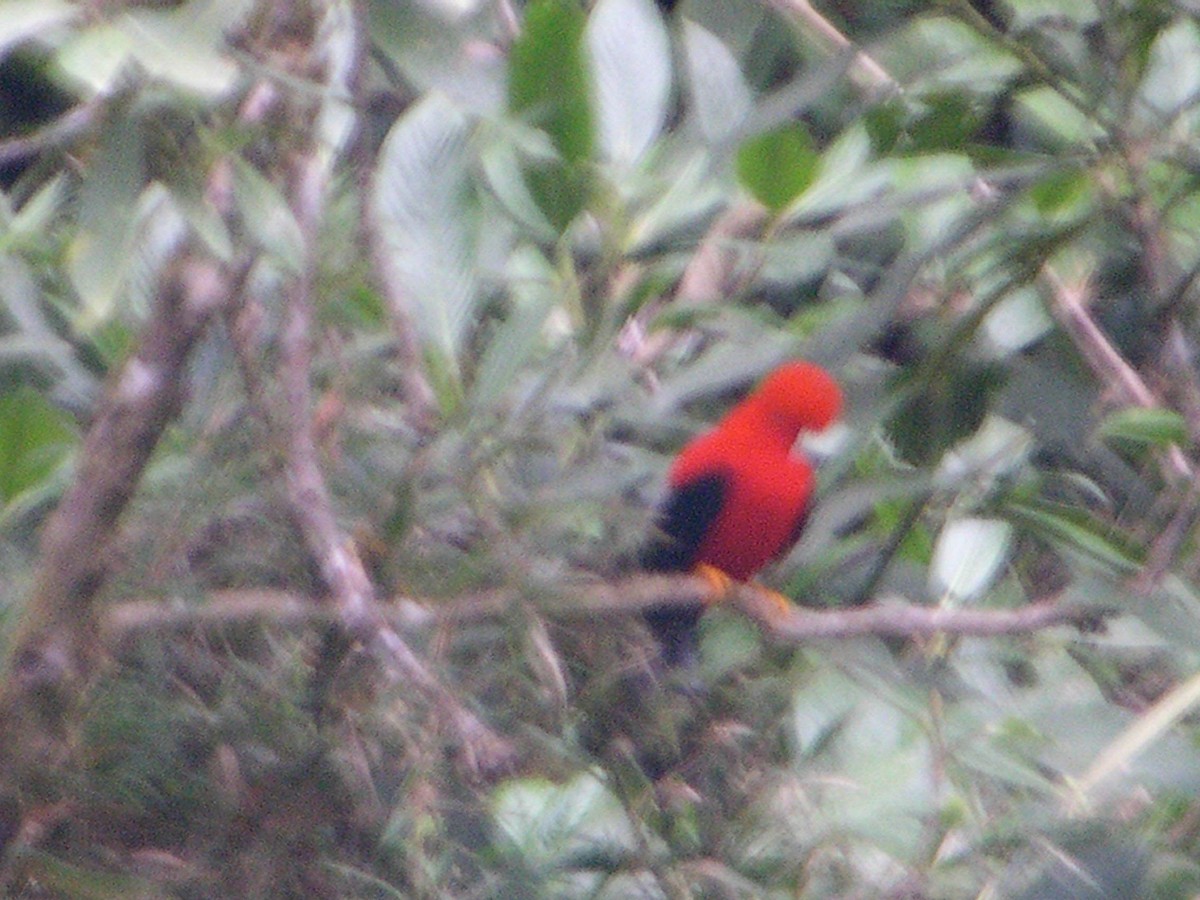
x: 685, y: 515
x: 677, y: 630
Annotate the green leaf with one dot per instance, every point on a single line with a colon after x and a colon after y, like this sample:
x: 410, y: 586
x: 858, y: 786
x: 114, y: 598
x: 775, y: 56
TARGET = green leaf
x: 729, y: 643
x: 631, y: 59
x: 33, y: 220
x: 561, y: 191
x: 35, y: 437
x: 1075, y: 529
x: 947, y: 409
x: 946, y: 123
x: 65, y: 879
x: 427, y: 211
x: 777, y: 166
x: 1155, y: 427
x: 843, y: 178
x: 1061, y: 192
x: 549, y: 86
x: 548, y: 80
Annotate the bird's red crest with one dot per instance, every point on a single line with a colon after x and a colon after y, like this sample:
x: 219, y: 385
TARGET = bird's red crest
x: 802, y: 394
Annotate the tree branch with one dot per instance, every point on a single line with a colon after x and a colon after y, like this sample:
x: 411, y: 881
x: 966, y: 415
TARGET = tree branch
x: 591, y: 599
x: 350, y: 593
x: 58, y: 133
x: 53, y: 637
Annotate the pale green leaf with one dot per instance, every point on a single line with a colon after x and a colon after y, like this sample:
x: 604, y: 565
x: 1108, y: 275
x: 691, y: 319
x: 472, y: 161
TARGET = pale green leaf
x: 95, y: 59
x: 968, y: 556
x: 426, y: 210
x: 503, y: 174
x: 159, y: 230
x: 631, y: 62
x: 198, y: 211
x: 440, y: 48
x: 1171, y: 608
x: 534, y: 296
x: 21, y: 20
x: 186, y: 45
x: 1054, y: 119
x: 33, y: 336
x: 1118, y: 756
x: 33, y: 219
x: 268, y: 217
x: 1172, y: 77
x: 548, y: 821
x: 99, y: 255
x: 717, y: 90
x: 998, y: 448
x: 337, y: 120
x: 1017, y: 321
x: 691, y: 198
x: 843, y: 178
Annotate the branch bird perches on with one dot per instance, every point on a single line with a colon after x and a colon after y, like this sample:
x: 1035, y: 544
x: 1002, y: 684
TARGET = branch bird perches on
x: 590, y: 598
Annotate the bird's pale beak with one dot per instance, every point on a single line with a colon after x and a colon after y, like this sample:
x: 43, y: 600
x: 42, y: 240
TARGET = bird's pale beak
x: 819, y: 446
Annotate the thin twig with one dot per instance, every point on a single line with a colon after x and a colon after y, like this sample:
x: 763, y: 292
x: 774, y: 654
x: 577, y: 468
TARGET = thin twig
x: 864, y: 66
x: 61, y: 131
x: 1069, y: 302
x: 708, y: 278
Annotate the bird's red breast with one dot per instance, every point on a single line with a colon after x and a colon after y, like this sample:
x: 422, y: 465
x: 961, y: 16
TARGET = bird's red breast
x: 764, y: 495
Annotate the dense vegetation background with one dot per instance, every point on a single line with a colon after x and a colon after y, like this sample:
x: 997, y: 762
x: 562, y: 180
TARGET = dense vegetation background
x: 343, y: 347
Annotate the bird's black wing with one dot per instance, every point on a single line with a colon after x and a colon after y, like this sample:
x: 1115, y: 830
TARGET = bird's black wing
x: 683, y: 520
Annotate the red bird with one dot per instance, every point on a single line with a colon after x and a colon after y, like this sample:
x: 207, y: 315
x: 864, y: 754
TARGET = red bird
x: 738, y: 495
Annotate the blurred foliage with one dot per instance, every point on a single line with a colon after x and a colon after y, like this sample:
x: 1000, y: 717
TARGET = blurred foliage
x: 556, y: 204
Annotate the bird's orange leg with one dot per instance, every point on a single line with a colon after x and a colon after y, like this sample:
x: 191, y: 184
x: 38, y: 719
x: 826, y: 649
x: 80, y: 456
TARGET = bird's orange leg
x: 718, y: 581
x: 721, y: 584
x: 782, y: 606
